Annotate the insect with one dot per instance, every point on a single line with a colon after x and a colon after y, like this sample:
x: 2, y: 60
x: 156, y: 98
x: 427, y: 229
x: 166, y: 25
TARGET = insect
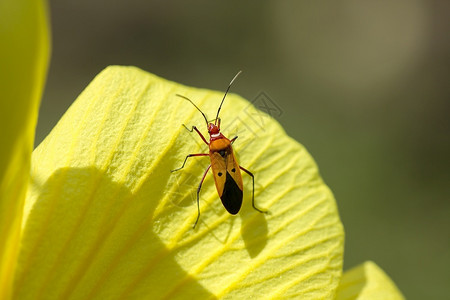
x: 225, y: 168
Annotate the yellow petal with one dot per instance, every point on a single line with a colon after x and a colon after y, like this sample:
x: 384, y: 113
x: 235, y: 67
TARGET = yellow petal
x: 367, y: 281
x: 24, y: 52
x: 107, y: 219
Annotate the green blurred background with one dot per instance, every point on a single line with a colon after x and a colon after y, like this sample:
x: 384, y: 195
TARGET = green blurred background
x: 364, y: 85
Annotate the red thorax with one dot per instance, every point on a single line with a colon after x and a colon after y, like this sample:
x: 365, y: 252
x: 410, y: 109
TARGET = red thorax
x: 214, y: 132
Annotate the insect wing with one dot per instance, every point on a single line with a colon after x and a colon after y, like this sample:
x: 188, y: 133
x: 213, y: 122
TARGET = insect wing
x: 227, y: 177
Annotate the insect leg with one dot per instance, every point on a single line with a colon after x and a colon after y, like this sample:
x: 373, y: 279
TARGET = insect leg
x: 199, y: 133
x: 233, y: 139
x: 253, y: 193
x: 198, y: 195
x: 190, y: 155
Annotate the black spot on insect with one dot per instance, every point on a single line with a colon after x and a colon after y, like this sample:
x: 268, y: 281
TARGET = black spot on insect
x: 232, y: 195
x: 220, y: 173
x: 233, y: 170
x: 222, y: 153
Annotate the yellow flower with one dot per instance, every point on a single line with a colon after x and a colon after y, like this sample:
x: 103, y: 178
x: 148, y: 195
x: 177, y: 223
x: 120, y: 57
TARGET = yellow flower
x: 24, y: 52
x: 367, y: 281
x: 104, y: 218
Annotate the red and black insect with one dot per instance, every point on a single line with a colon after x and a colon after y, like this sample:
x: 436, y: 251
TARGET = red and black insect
x: 225, y: 168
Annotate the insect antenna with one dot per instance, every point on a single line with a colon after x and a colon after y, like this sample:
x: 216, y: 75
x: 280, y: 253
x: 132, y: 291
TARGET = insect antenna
x: 186, y: 98
x: 231, y: 82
